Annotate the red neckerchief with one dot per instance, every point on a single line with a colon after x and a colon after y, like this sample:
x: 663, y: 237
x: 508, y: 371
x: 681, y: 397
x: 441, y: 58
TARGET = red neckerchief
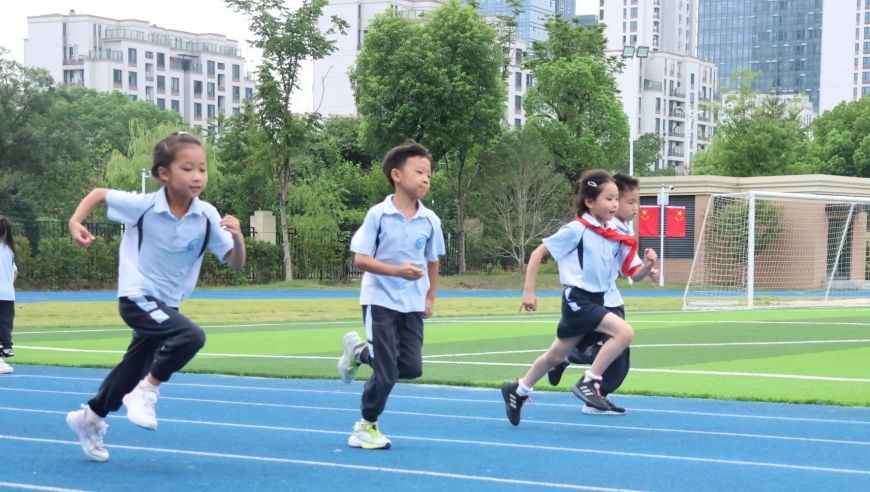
x: 615, y: 235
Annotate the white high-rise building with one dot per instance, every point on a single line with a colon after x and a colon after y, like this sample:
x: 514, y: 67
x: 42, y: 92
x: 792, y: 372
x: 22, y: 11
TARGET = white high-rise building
x: 197, y: 75
x: 332, y: 91
x: 666, y: 92
x: 845, y: 73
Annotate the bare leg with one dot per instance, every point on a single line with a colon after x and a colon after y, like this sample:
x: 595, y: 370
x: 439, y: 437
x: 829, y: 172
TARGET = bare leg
x: 554, y: 356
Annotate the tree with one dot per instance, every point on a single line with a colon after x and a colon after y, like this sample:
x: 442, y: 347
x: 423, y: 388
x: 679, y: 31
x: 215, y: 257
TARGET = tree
x: 440, y: 82
x: 344, y: 133
x: 287, y: 38
x: 523, y: 197
x: 647, y: 150
x: 574, y: 100
x: 124, y: 167
x: 757, y: 135
x: 841, y: 140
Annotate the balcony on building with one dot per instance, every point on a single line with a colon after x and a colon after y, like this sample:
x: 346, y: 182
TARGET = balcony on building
x: 106, y: 54
x: 74, y: 61
x: 678, y: 92
x: 119, y: 34
x: 652, y: 85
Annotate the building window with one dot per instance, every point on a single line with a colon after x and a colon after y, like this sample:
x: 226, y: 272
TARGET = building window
x: 175, y: 84
x: 197, y: 110
x: 221, y: 78
x: 528, y: 80
x: 633, y: 26
x: 210, y: 67
x: 236, y: 92
x: 518, y: 122
x: 249, y: 94
x: 634, y: 12
x: 235, y: 111
x: 518, y: 103
x: 131, y: 55
x: 161, y: 103
x: 518, y: 80
x: 133, y: 97
x: 692, y: 78
x: 211, y: 111
x: 132, y: 81
x: 197, y: 88
x: 64, y: 28
x: 236, y: 72
x: 161, y: 60
x: 209, y: 87
x: 658, y: 104
x: 149, y: 55
x: 519, y: 57
x: 221, y: 66
x: 176, y: 107
x: 161, y: 83
x: 117, y: 77
x: 633, y: 39
x: 221, y: 102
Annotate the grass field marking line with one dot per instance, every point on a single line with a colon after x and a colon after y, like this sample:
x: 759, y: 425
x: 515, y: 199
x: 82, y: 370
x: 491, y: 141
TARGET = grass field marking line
x: 492, y: 419
x: 656, y: 345
x: 494, y: 444
x: 48, y: 332
x: 27, y: 486
x: 206, y: 354
x: 327, y: 464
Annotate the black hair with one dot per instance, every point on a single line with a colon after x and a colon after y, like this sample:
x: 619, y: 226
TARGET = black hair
x: 6, y: 233
x: 397, y: 156
x: 588, y: 187
x: 166, y: 150
x: 625, y: 182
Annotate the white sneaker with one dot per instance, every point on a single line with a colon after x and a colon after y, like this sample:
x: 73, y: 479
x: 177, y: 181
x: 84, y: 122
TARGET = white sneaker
x: 5, y: 368
x: 368, y: 437
x: 348, y: 363
x: 90, y: 435
x: 140, y: 406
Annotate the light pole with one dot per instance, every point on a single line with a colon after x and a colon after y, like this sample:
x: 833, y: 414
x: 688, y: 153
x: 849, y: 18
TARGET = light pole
x: 691, y: 118
x: 145, y: 174
x: 629, y: 53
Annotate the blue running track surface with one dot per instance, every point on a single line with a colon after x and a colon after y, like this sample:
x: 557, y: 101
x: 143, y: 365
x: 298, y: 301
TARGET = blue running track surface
x: 235, y: 433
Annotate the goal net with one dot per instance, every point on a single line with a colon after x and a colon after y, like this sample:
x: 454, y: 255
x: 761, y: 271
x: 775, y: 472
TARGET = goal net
x: 762, y: 249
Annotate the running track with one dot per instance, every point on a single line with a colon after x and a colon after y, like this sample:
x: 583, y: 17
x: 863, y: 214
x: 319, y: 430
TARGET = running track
x: 235, y: 433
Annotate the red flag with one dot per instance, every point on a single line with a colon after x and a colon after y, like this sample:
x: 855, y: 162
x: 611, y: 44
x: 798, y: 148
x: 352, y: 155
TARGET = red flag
x: 648, y: 218
x: 675, y: 222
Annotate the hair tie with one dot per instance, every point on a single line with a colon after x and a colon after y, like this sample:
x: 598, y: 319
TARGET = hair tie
x: 592, y: 184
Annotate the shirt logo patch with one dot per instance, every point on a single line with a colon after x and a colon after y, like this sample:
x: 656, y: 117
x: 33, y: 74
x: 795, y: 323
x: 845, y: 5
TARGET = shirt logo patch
x: 193, y: 245
x: 421, y: 242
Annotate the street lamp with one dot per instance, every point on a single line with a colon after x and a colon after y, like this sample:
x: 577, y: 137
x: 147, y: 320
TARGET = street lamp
x: 629, y: 53
x: 145, y: 174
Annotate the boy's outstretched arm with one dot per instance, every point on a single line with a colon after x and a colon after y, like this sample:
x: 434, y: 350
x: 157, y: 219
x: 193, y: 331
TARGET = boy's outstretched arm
x: 530, y: 302
x: 408, y: 270
x: 433, y: 267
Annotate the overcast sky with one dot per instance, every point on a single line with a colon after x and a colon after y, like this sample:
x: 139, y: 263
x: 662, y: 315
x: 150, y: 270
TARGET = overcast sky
x: 197, y: 16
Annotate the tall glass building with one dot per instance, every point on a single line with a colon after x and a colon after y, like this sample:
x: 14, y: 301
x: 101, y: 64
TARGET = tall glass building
x: 535, y: 13
x: 781, y: 39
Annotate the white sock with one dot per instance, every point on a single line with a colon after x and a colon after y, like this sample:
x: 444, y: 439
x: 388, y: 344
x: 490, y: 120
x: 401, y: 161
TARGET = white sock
x: 92, y: 417
x: 146, y: 385
x: 589, y: 376
x: 522, y: 390
x: 365, y: 422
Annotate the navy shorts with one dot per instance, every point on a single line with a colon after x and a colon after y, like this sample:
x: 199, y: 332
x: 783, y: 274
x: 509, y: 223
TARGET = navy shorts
x: 582, y: 312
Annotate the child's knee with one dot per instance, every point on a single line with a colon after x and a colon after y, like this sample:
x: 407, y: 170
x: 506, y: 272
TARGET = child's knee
x: 195, y: 337
x: 412, y: 371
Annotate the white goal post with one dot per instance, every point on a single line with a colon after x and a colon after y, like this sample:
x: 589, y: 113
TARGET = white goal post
x: 764, y: 249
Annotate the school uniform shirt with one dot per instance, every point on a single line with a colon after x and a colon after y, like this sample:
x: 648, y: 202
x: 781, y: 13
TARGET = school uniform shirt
x: 587, y: 260
x: 7, y: 273
x: 165, y: 263
x: 612, y: 298
x: 390, y: 238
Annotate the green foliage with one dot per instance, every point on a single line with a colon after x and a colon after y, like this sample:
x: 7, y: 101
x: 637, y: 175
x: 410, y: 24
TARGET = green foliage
x: 730, y: 225
x: 841, y: 140
x: 124, y: 168
x: 647, y: 150
x: 574, y: 100
x: 757, y: 135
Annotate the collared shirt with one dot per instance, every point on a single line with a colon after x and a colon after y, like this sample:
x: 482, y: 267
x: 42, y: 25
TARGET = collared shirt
x: 167, y: 264
x: 586, y: 259
x: 7, y: 273
x: 612, y: 298
x: 392, y: 239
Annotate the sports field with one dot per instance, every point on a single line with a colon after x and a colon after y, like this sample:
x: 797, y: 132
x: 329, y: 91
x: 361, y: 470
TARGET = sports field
x: 808, y: 355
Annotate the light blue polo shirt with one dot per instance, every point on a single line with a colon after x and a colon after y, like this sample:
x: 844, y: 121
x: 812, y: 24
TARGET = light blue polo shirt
x: 394, y: 240
x: 7, y: 273
x: 168, y: 262
x: 586, y: 259
x: 612, y: 298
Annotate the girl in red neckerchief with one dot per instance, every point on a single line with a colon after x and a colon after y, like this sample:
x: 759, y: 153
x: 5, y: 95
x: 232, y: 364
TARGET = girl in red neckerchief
x: 589, y: 254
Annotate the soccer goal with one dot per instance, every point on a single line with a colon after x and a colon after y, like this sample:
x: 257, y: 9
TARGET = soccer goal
x: 763, y: 249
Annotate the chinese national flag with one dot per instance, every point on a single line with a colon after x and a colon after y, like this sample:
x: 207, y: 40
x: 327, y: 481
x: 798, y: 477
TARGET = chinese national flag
x: 648, y: 219
x: 675, y: 222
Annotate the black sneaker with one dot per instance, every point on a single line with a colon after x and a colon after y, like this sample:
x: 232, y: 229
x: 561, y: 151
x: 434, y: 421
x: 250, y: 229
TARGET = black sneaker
x: 588, y: 392
x: 7, y: 353
x: 555, y: 374
x: 614, y: 410
x: 513, y: 402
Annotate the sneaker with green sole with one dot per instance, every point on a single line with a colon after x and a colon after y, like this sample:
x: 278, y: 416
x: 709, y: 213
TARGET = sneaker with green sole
x: 348, y: 364
x: 368, y: 436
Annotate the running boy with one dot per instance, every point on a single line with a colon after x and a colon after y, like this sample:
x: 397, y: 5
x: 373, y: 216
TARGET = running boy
x: 587, y: 253
x: 8, y: 274
x: 398, y: 247
x: 587, y: 349
x: 161, y: 253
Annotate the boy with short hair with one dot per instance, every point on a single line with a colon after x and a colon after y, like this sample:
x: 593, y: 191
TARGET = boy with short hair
x: 398, y: 246
x: 587, y: 348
